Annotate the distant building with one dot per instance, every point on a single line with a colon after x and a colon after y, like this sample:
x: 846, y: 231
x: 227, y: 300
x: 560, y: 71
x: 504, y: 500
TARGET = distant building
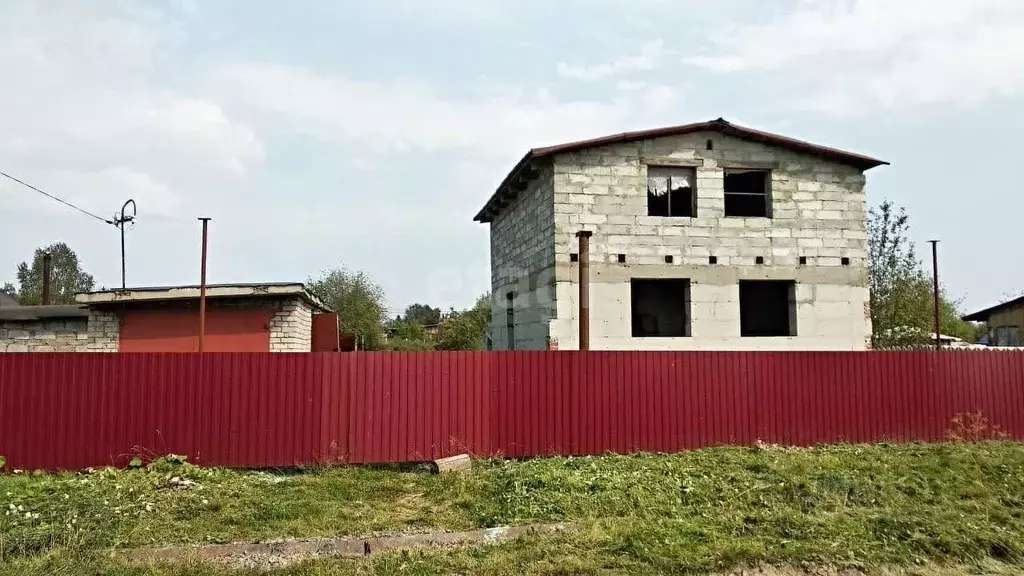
x: 239, y: 318
x: 1004, y: 322
x: 7, y: 301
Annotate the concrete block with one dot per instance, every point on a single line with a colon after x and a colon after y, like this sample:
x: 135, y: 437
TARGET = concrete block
x: 641, y: 230
x: 809, y: 186
x: 622, y: 219
x: 730, y: 222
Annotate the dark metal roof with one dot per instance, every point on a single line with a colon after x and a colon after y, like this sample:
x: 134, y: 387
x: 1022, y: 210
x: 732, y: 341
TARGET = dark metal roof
x: 718, y: 125
x: 30, y: 313
x: 7, y: 301
x: 196, y: 287
x: 982, y: 315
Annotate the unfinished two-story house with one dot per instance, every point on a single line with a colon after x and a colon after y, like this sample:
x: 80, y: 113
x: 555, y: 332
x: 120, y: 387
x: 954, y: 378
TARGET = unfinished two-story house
x: 706, y: 236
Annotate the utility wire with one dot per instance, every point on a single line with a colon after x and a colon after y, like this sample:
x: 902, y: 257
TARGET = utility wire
x: 62, y: 201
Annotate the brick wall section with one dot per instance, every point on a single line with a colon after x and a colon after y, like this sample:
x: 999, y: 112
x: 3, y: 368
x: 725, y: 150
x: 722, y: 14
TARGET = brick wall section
x: 50, y: 335
x: 291, y: 329
x: 97, y: 333
x: 522, y: 262
x: 104, y: 333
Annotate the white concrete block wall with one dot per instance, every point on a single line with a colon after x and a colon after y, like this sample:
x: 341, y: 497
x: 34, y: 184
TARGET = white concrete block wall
x: 100, y: 332
x: 819, y: 212
x: 818, y: 207
x: 51, y: 335
x: 828, y: 318
x: 522, y: 263
x: 291, y: 329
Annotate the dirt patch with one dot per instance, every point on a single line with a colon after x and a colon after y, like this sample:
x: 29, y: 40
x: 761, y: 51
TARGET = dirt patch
x: 267, y: 555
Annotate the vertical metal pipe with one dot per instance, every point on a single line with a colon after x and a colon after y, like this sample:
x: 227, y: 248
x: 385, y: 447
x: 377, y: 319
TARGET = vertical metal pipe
x: 202, y: 291
x: 47, y: 264
x: 584, y: 281
x: 120, y: 220
x: 124, y: 267
x: 935, y: 292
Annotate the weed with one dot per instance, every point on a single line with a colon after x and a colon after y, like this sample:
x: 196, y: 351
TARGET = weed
x: 973, y: 427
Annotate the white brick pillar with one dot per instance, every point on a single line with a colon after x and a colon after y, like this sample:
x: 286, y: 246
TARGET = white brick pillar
x: 291, y: 329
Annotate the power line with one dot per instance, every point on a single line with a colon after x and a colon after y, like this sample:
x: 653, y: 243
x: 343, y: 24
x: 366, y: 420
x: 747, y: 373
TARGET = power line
x: 62, y: 201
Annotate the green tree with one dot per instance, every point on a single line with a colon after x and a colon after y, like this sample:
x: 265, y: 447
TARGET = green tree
x: 902, y: 307
x: 422, y: 314
x: 466, y: 330
x: 408, y: 330
x: 66, y: 277
x: 397, y: 344
x: 357, y: 300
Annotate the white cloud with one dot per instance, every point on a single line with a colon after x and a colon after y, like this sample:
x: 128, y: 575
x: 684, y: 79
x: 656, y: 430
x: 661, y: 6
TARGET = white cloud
x: 860, y: 55
x: 648, y: 59
x: 90, y: 116
x: 403, y: 115
x: 93, y: 189
x: 449, y: 13
x: 629, y: 85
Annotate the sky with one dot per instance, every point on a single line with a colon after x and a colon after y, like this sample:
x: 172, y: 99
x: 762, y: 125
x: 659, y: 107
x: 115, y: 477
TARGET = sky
x: 341, y: 133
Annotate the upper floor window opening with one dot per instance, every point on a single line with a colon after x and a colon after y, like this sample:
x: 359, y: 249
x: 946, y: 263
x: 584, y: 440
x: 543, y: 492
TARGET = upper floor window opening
x: 748, y: 193
x: 671, y: 191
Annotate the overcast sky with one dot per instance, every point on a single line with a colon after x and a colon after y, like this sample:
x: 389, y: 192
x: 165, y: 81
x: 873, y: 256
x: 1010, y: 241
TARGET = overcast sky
x: 367, y: 134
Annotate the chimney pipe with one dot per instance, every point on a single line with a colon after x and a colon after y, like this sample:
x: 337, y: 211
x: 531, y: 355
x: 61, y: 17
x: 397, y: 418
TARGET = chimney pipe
x: 202, y: 290
x: 46, y: 278
x: 584, y: 281
x: 935, y: 293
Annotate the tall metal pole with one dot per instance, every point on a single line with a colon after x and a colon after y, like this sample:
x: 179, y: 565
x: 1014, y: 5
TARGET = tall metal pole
x: 47, y: 266
x: 202, y: 290
x: 935, y: 292
x: 120, y: 220
x: 584, y: 258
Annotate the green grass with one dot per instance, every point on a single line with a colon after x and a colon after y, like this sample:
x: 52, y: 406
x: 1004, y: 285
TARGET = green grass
x: 651, y: 514
x: 114, y: 508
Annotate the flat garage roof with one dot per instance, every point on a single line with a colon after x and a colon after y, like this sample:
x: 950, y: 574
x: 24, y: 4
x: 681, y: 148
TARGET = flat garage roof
x: 165, y: 293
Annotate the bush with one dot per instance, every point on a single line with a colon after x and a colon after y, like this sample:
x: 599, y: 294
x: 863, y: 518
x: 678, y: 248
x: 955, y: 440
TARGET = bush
x: 407, y: 345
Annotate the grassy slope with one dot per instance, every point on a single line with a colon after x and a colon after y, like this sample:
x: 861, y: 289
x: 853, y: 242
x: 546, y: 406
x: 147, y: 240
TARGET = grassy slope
x: 112, y: 508
x: 704, y: 510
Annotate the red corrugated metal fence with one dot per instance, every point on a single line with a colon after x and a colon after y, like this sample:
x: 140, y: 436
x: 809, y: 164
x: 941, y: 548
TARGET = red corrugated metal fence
x: 267, y: 410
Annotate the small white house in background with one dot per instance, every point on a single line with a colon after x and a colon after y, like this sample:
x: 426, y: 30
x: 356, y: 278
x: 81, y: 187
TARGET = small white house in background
x: 707, y: 236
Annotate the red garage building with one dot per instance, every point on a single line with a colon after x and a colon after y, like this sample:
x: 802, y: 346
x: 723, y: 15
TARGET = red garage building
x: 239, y: 318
